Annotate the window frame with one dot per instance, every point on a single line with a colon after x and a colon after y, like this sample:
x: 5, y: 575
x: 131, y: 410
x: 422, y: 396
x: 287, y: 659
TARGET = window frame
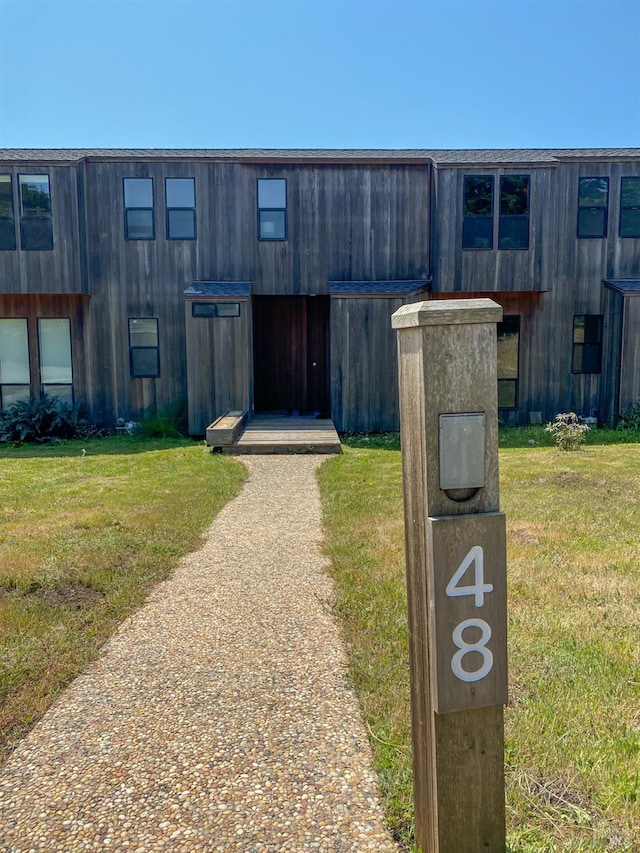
x: 595, y: 346
x: 466, y: 217
x: 170, y: 209
x: 271, y: 209
x: 516, y: 380
x: 133, y: 349
x: 45, y: 385
x: 26, y: 385
x: 27, y: 220
x: 138, y: 208
x: 626, y: 207
x: 604, y: 207
x: 503, y: 217
x: 215, y: 310
x: 10, y: 227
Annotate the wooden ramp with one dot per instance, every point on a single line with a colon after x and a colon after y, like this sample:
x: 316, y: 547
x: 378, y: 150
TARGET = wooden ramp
x: 274, y: 434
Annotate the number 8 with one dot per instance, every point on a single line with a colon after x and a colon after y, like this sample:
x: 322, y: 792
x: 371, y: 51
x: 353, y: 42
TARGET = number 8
x: 464, y: 648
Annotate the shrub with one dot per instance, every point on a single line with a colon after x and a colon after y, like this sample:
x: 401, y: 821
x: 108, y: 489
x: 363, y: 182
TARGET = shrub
x: 630, y: 420
x: 567, y: 431
x: 170, y: 422
x: 43, y: 419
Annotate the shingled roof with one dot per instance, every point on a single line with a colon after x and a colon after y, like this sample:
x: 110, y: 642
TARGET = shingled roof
x: 443, y: 157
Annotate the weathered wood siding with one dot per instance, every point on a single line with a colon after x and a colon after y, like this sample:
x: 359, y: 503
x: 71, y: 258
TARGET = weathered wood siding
x: 613, y: 306
x: 630, y: 361
x: 219, y: 361
x: 56, y: 270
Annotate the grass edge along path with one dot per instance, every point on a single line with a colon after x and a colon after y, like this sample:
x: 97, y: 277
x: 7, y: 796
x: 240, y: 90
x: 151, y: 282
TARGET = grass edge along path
x: 573, y: 725
x: 87, y: 528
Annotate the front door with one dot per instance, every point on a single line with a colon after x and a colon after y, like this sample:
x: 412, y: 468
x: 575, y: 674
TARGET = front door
x: 291, y: 354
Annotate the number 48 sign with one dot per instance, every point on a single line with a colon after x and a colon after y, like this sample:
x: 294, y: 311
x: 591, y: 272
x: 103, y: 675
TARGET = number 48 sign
x: 467, y: 611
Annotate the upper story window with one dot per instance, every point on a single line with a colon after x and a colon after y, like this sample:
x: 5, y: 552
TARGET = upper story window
x: 144, y: 351
x: 138, y: 209
x: 630, y: 207
x: 587, y: 343
x: 7, y: 218
x: 477, y: 222
x: 181, y: 208
x: 272, y: 209
x: 36, y: 230
x: 593, y: 207
x: 513, y: 230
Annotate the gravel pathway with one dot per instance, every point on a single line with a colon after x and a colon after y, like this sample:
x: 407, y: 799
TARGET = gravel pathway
x: 218, y: 717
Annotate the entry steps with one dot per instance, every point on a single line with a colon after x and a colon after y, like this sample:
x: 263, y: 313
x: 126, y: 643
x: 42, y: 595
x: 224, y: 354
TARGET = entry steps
x: 234, y: 433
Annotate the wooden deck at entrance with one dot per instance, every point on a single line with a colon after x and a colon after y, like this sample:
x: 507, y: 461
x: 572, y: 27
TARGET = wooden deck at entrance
x: 297, y: 434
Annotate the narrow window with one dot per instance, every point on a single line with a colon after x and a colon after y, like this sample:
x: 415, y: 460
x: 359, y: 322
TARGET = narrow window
x: 587, y: 343
x: 7, y: 218
x: 138, y: 209
x: 36, y: 230
x: 593, y: 206
x: 508, y: 357
x: 513, y: 230
x: 272, y: 209
x: 215, y: 309
x: 181, y: 208
x: 477, y: 220
x: 56, y: 372
x: 630, y: 207
x: 15, y: 376
x: 144, y: 354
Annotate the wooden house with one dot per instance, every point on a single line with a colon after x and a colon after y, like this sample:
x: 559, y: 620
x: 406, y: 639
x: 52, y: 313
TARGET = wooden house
x: 260, y: 280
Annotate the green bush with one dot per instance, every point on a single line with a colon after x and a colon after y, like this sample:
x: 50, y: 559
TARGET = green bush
x: 44, y: 419
x: 567, y: 431
x: 170, y: 422
x: 631, y: 420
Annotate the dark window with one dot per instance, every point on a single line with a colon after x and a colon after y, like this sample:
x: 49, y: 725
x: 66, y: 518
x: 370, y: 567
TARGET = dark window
x: 215, y: 309
x: 181, y: 208
x: 630, y: 207
x: 36, y: 230
x: 477, y: 221
x: 272, y: 209
x: 15, y: 375
x: 508, y: 358
x: 593, y: 205
x: 587, y: 343
x: 513, y: 230
x: 144, y: 354
x: 7, y: 218
x: 138, y: 209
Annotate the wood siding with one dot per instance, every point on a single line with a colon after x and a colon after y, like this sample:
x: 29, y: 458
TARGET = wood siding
x: 630, y: 361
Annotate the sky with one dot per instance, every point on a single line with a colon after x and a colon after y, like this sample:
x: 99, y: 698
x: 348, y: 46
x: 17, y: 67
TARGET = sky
x: 319, y: 73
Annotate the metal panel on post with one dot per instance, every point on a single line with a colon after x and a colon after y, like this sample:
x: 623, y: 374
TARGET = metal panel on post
x: 456, y: 571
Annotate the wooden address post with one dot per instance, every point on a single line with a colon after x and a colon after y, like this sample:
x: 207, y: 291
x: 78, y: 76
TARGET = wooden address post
x: 456, y: 571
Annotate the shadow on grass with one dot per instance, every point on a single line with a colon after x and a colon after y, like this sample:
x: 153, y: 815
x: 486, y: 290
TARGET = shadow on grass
x: 113, y: 445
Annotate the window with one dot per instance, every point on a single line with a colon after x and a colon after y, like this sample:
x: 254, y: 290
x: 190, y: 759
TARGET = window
x: 630, y: 207
x: 513, y: 230
x: 138, y: 209
x: 215, y: 309
x: 593, y: 205
x: 477, y: 221
x: 181, y: 208
x: 508, y: 353
x: 144, y: 355
x: 36, y: 230
x: 272, y: 209
x: 587, y: 343
x: 56, y: 374
x: 7, y: 219
x: 15, y: 375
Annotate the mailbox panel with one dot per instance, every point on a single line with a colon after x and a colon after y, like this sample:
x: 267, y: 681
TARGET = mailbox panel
x: 461, y: 451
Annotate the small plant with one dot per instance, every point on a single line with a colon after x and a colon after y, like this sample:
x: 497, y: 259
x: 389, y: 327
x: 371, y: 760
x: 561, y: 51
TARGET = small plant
x: 170, y: 422
x: 567, y: 431
x: 44, y: 419
x: 630, y: 420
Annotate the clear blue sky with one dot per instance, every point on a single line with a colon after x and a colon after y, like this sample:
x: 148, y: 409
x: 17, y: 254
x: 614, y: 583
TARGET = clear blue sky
x: 319, y: 73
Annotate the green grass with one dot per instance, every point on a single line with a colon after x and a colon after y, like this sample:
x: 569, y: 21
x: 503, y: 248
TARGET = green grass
x: 86, y: 529
x: 573, y: 723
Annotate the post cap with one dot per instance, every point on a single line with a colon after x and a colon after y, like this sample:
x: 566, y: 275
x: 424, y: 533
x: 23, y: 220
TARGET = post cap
x: 446, y: 312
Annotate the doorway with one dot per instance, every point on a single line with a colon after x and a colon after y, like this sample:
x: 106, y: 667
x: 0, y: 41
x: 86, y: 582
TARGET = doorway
x: 291, y: 354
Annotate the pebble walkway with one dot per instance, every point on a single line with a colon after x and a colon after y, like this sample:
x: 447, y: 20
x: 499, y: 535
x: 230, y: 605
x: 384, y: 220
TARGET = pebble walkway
x: 219, y: 717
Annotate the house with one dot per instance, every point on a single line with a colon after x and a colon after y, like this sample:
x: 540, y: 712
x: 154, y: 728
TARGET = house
x: 265, y: 280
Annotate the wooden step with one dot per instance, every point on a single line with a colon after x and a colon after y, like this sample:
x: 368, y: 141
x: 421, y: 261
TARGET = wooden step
x: 266, y: 434
x: 227, y: 429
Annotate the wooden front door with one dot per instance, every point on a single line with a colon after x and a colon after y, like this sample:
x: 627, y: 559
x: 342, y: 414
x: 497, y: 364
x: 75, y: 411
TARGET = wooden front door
x: 291, y: 354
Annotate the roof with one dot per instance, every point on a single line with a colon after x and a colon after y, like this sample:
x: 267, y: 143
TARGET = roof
x: 442, y: 157
x: 378, y: 288
x: 624, y: 285
x: 230, y: 289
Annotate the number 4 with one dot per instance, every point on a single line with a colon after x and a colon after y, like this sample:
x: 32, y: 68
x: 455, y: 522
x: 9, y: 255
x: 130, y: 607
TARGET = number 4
x: 478, y: 589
